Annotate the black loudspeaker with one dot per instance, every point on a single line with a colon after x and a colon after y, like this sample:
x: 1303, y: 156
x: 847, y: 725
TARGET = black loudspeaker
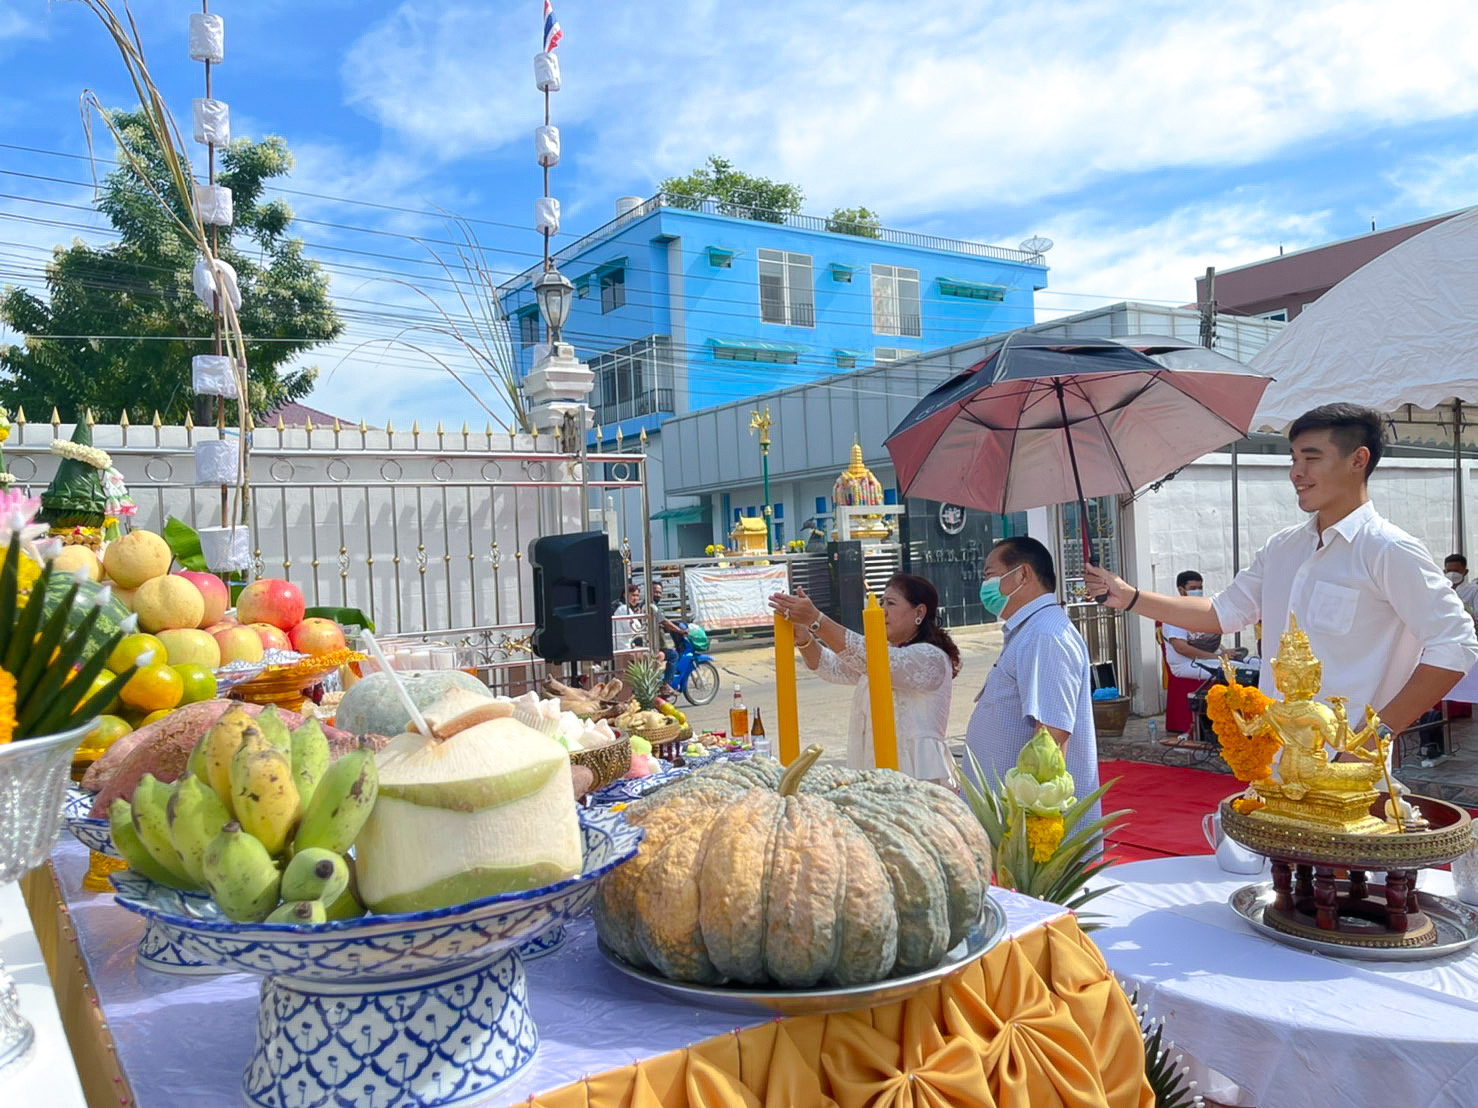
x: 848, y: 583
x: 572, y: 596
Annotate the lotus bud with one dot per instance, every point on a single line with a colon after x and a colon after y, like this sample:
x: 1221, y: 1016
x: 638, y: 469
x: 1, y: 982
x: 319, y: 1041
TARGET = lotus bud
x: 103, y: 596
x: 17, y: 521
x: 1041, y: 758
x: 81, y: 576
x: 145, y: 659
x: 129, y: 624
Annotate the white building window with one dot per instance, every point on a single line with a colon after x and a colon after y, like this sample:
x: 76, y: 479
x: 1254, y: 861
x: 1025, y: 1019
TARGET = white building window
x: 895, y: 301
x: 786, y: 294
x: 1278, y: 315
x: 528, y: 328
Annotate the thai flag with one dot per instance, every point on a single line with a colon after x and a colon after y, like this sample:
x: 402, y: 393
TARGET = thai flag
x: 552, y: 30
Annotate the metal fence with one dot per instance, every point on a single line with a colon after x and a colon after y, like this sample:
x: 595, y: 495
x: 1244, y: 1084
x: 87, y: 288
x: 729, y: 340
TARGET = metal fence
x: 427, y: 533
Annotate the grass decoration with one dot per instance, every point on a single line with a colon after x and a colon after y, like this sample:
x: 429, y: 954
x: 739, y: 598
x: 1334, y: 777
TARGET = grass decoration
x: 1040, y: 840
x: 180, y: 207
x: 52, y: 669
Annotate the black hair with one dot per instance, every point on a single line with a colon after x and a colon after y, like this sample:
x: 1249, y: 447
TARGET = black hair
x: 1350, y: 427
x: 919, y: 590
x: 1023, y: 548
x: 1185, y: 577
x: 1459, y: 559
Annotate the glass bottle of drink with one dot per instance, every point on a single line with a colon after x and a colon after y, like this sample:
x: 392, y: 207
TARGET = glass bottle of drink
x: 758, y: 739
x: 738, y: 717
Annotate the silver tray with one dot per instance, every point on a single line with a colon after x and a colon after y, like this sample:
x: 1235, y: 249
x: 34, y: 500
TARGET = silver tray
x: 1456, y: 923
x: 841, y: 998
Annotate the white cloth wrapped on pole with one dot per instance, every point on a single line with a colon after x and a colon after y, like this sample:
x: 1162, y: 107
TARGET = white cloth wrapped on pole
x: 546, y: 72
x: 205, y: 284
x: 210, y: 375
x: 212, y: 122
x: 546, y: 215
x: 207, y: 37
x: 217, y: 462
x: 213, y: 205
x: 546, y: 145
x: 226, y: 548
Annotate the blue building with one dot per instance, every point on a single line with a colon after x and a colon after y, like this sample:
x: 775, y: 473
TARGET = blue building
x: 684, y: 305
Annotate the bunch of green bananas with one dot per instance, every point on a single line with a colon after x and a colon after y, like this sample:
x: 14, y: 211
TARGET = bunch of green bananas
x: 262, y: 820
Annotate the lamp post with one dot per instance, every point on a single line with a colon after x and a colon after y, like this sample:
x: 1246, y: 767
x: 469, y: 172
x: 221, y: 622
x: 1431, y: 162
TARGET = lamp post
x: 554, y: 294
x: 761, y: 423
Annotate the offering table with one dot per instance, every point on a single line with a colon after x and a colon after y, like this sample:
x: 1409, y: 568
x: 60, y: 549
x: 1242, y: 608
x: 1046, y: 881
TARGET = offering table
x: 1036, y: 1021
x: 1280, y: 1022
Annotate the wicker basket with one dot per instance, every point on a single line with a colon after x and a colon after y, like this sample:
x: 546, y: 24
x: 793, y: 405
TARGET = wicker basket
x: 609, y: 763
x: 668, y: 732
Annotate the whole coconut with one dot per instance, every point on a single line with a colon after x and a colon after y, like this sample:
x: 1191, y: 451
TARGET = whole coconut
x: 371, y: 706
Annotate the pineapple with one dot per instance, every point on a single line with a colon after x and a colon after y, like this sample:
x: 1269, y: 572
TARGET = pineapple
x: 644, y: 675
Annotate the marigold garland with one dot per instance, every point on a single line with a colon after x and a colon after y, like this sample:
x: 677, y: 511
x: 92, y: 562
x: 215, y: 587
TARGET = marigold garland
x: 1249, y: 756
x: 7, y: 706
x: 1043, y: 835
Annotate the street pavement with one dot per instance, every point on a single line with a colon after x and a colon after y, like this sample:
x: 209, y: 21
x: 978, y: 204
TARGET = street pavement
x: 825, y: 709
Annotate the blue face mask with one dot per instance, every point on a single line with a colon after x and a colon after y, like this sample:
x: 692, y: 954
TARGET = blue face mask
x: 992, y: 597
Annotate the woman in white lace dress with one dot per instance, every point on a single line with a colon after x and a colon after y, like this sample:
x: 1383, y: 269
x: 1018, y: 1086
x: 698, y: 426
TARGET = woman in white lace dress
x: 923, y: 660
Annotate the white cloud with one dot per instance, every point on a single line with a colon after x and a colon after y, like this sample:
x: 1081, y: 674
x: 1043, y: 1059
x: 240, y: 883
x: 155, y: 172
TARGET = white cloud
x: 1437, y: 182
x: 921, y: 107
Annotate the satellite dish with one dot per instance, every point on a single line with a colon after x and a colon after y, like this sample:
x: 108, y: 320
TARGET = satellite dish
x: 1037, y: 244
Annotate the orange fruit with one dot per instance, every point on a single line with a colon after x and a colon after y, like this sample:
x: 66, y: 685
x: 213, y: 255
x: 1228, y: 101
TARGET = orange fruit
x: 199, y: 682
x: 131, y: 647
x: 154, y: 687
x: 155, y: 717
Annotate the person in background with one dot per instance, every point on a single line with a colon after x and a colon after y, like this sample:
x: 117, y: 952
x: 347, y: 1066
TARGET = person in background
x: 1455, y: 567
x: 1183, y: 649
x: 628, y: 620
x: 1367, y: 594
x: 922, y: 661
x: 1042, y: 677
x: 673, y: 629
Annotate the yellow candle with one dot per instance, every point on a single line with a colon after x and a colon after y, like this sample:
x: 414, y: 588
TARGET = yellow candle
x: 785, y: 710
x: 879, y: 686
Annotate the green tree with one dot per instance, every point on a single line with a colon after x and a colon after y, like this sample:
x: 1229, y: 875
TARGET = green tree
x: 127, y: 317
x: 855, y: 221
x: 735, y: 192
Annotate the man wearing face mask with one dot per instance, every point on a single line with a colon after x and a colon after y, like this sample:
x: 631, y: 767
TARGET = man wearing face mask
x: 1455, y: 569
x: 1042, y: 677
x: 1184, y: 649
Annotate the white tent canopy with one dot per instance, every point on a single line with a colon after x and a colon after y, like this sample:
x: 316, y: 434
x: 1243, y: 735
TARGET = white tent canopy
x: 1402, y: 329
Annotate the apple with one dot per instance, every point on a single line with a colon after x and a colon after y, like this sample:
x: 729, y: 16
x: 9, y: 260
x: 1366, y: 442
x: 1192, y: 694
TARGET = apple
x: 269, y: 600
x: 239, y: 644
x: 213, y: 589
x: 185, y: 645
x: 273, y: 638
x: 317, y: 636
x: 221, y: 625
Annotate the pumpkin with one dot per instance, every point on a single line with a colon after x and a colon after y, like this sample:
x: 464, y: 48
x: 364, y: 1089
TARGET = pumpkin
x: 370, y: 707
x: 795, y: 877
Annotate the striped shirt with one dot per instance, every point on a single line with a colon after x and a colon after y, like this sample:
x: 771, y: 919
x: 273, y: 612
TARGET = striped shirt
x: 1042, y: 676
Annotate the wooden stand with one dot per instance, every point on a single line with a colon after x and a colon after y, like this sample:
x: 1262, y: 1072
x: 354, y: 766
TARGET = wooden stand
x: 1313, y: 899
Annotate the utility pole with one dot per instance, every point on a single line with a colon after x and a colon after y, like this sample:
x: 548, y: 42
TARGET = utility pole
x: 761, y: 423
x: 1208, y: 340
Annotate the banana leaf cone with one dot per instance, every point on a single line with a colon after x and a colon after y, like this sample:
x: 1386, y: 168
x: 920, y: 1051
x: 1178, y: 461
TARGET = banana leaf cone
x: 75, y: 497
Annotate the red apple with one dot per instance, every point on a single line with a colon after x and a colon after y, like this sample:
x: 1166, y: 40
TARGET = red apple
x: 239, y: 644
x: 223, y: 624
x: 273, y: 638
x: 317, y: 636
x: 217, y: 597
x: 269, y: 600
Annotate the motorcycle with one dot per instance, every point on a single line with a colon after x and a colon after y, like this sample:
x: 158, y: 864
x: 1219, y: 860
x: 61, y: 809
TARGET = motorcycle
x: 694, y: 674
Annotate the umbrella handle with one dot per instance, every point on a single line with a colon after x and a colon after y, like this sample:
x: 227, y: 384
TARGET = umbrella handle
x: 1090, y: 556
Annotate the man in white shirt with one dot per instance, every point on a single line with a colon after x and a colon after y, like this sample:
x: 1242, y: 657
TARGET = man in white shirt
x: 1378, y: 613
x: 1188, y: 652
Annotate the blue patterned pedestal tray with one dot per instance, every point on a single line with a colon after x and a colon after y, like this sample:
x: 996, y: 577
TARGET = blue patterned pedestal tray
x: 427, y: 1008
x: 157, y: 949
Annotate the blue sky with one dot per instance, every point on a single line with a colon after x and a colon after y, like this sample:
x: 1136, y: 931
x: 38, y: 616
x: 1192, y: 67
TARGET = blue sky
x: 1149, y: 140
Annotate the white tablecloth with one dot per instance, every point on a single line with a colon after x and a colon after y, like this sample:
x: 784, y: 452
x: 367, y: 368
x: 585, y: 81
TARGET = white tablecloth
x: 1291, y: 1028
x: 46, y: 1075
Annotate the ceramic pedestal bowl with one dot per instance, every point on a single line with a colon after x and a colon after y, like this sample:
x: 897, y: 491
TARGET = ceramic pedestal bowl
x: 427, y: 1008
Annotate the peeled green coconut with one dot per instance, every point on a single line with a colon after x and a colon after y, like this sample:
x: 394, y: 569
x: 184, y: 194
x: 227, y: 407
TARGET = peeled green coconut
x: 371, y: 707
x: 485, y: 812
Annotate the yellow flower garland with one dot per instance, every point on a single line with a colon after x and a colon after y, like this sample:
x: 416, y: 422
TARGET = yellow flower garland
x: 1043, y: 835
x: 1249, y: 756
x: 7, y: 706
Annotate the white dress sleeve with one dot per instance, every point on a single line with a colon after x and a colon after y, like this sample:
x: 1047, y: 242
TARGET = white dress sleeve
x: 845, y: 667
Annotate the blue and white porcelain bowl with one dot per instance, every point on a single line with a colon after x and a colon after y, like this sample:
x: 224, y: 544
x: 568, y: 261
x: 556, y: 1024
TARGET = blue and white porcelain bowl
x: 91, y: 833
x: 445, y: 989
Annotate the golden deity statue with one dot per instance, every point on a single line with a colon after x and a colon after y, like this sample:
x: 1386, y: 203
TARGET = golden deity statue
x: 1307, y: 788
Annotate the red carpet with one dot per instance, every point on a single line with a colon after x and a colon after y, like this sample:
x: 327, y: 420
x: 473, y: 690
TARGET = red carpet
x: 1167, y: 804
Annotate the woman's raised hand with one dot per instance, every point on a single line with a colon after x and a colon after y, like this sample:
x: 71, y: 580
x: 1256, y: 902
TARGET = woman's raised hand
x: 796, y: 607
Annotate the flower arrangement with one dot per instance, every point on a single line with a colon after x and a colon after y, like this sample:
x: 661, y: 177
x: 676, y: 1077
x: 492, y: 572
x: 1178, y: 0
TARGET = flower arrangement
x: 1040, y: 842
x: 1249, y: 756
x: 714, y: 550
x: 51, y: 679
